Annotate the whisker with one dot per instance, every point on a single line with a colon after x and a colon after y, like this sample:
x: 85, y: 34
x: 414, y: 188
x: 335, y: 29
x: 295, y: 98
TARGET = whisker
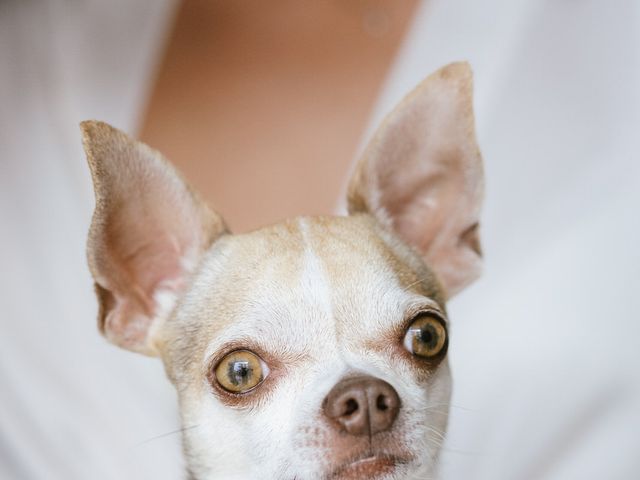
x: 431, y: 410
x: 460, y: 407
x: 435, y: 431
x: 452, y: 405
x: 461, y: 452
x: 435, y: 445
x: 180, y: 430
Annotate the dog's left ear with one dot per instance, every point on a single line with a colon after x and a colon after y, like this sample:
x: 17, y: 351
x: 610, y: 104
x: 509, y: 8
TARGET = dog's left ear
x: 148, y: 233
x: 421, y: 176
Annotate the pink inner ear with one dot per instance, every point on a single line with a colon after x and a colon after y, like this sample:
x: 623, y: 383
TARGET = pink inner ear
x: 147, y: 234
x: 422, y: 176
x: 429, y: 205
x: 151, y: 248
x: 144, y: 262
x: 152, y: 240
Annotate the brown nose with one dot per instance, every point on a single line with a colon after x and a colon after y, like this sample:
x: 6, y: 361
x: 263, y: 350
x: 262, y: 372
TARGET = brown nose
x: 362, y: 405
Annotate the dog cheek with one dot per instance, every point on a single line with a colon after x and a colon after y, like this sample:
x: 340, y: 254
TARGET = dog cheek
x: 213, y: 440
x: 303, y: 439
x: 314, y: 445
x: 421, y: 425
x: 432, y: 410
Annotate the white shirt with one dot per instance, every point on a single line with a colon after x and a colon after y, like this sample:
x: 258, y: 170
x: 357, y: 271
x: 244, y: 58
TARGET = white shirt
x: 72, y: 406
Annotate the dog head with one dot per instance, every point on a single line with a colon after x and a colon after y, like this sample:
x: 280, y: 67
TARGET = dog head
x: 316, y: 347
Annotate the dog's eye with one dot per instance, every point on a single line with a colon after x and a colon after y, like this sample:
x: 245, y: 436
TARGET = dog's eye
x: 241, y: 371
x: 426, y: 337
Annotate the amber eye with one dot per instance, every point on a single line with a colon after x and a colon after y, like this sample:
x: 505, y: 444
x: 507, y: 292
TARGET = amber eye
x: 241, y: 371
x: 426, y: 337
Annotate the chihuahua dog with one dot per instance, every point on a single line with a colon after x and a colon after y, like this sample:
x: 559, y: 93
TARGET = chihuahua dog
x: 314, y: 348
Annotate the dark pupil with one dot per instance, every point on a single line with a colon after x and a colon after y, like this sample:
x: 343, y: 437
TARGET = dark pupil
x: 427, y: 336
x: 240, y: 372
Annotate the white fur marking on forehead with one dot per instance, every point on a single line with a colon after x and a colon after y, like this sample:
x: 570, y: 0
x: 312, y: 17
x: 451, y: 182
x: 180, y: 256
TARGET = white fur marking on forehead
x: 313, y: 275
x: 289, y: 310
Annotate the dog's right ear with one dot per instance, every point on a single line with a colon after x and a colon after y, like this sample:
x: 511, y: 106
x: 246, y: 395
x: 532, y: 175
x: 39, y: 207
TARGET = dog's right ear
x: 148, y: 232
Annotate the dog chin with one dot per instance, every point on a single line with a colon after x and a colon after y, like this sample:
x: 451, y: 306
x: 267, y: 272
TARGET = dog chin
x: 373, y: 467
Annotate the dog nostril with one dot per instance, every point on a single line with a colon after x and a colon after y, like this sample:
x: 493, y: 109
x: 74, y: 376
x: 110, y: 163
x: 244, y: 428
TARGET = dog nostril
x: 381, y: 403
x: 351, y: 405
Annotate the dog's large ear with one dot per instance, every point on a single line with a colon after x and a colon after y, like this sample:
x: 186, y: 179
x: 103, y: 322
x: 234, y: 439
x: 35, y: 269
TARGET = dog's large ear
x: 147, y: 234
x: 421, y: 176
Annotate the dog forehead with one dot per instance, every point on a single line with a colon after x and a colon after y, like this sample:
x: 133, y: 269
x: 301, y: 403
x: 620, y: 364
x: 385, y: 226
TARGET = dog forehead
x: 304, y: 285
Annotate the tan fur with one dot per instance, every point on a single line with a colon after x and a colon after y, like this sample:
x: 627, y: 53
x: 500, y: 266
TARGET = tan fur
x: 237, y: 263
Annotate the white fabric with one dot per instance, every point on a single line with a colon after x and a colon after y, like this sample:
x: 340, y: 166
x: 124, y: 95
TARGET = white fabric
x: 545, y: 347
x: 71, y: 405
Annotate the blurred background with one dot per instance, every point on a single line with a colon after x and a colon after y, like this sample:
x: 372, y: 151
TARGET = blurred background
x: 264, y: 106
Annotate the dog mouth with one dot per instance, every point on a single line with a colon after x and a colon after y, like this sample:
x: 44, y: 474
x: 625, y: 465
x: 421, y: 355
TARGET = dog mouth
x: 369, y: 467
